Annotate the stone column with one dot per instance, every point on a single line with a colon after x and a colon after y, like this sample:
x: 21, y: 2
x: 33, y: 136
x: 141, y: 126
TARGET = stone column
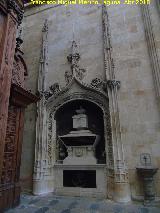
x: 121, y: 186
x: 40, y: 184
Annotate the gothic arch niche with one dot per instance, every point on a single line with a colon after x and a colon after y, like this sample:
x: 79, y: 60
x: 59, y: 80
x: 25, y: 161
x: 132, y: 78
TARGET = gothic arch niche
x: 64, y: 124
x: 60, y: 109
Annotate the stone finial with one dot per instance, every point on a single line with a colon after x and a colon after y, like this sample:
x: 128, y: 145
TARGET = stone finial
x: 74, y: 59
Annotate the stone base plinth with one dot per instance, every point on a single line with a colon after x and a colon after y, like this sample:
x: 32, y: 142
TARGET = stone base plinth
x: 99, y: 191
x: 122, y: 192
x: 41, y: 186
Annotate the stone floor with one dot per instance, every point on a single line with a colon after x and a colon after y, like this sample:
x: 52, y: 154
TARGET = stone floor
x: 59, y: 204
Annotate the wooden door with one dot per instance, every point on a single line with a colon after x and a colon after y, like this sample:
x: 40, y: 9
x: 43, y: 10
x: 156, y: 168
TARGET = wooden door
x: 10, y: 187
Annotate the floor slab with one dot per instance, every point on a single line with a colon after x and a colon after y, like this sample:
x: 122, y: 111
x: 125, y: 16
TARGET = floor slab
x: 51, y: 203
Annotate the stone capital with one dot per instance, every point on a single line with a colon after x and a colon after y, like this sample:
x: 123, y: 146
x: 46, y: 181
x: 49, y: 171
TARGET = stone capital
x: 114, y: 83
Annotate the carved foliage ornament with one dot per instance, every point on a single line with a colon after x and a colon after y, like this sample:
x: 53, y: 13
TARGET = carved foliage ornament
x: 53, y: 90
x: 97, y: 83
x: 74, y: 59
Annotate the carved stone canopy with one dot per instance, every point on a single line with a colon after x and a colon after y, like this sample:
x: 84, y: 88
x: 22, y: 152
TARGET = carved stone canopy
x: 77, y: 90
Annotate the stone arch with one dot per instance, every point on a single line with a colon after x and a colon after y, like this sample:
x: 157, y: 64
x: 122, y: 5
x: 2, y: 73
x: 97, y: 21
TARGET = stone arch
x: 90, y: 95
x: 74, y: 91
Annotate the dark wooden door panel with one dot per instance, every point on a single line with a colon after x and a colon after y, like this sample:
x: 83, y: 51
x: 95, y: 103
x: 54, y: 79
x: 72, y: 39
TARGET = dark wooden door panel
x: 10, y: 187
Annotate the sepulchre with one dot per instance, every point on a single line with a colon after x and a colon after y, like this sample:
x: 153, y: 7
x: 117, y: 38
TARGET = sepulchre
x: 105, y: 59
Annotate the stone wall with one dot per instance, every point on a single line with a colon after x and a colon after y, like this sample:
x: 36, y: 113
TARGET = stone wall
x: 139, y: 113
